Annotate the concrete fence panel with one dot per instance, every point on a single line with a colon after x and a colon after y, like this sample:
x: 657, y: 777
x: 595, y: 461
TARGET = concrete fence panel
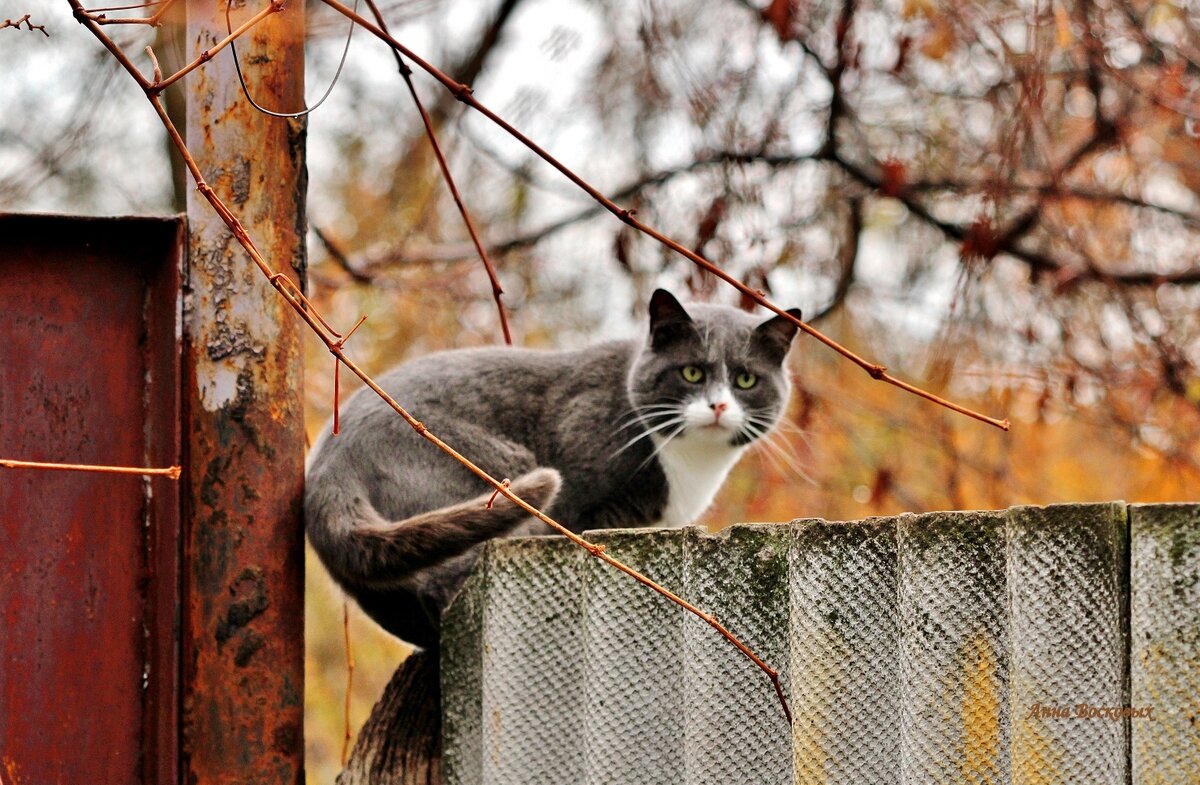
x: 1034, y: 645
x: 1068, y: 605
x: 633, y: 665
x: 954, y: 649
x: 748, y: 593
x: 845, y: 663
x: 1165, y: 631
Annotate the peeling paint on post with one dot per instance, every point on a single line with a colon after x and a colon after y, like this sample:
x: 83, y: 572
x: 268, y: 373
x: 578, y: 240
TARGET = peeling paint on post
x: 243, y: 643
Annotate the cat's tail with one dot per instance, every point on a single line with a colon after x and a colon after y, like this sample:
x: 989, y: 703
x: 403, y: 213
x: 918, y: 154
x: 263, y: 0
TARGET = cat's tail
x: 384, y: 552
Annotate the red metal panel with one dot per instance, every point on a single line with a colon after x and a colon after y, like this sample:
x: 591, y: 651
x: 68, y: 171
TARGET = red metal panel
x: 89, y: 373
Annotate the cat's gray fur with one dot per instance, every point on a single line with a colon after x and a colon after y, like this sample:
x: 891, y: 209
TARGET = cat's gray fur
x: 398, y: 522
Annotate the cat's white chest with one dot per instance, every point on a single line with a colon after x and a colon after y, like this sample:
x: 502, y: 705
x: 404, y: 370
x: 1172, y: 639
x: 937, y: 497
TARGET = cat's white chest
x: 695, y: 469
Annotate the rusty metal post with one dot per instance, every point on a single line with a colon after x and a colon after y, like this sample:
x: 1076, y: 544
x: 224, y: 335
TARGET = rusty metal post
x: 243, y: 616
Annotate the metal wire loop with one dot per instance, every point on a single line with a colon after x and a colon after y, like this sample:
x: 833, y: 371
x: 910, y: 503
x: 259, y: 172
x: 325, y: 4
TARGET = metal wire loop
x: 246, y: 92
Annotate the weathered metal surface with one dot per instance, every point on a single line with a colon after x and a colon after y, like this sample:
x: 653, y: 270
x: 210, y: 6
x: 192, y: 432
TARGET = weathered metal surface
x: 1165, y: 600
x: 243, y: 617
x: 89, y: 373
x: 940, y: 648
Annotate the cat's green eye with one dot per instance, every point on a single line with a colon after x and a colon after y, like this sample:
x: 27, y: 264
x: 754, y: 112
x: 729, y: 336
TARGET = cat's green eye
x: 692, y: 374
x: 746, y: 380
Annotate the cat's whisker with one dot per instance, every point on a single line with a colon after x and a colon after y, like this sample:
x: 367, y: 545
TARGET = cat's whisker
x: 768, y: 444
x: 666, y: 404
x: 766, y: 452
x: 766, y: 423
x: 773, y: 449
x: 635, y: 423
x: 764, y: 449
x: 652, y: 419
x: 791, y: 428
x: 638, y: 411
x: 753, y: 430
x: 656, y: 428
x: 651, y: 431
x: 659, y: 448
x: 765, y: 419
x: 641, y: 415
x: 780, y: 441
x: 774, y: 431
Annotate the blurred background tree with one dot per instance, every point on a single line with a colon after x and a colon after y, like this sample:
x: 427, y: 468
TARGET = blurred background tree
x: 996, y: 200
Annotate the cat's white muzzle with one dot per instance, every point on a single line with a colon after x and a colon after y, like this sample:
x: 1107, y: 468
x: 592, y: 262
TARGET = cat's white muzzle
x: 716, y: 419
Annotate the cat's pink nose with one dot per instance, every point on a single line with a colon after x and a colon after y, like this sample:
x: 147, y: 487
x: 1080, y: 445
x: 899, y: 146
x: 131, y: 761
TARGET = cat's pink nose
x: 718, y: 409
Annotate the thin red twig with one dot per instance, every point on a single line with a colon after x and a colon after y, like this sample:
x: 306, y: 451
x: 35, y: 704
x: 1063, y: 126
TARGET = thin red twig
x: 154, y: 63
x: 492, y: 499
x: 349, y: 681
x: 274, y: 7
x: 171, y: 471
x: 406, y: 72
x: 97, y: 14
x: 463, y: 93
x: 337, y: 396
x: 337, y: 378
x: 133, y: 7
x: 24, y: 20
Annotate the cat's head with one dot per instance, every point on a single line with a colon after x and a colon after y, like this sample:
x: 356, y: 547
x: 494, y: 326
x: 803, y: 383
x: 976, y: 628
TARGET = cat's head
x: 711, y: 373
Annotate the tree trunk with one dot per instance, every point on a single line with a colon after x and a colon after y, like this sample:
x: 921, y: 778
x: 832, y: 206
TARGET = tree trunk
x: 401, y: 742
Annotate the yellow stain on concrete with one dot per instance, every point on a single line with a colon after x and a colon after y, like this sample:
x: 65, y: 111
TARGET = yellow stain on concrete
x: 810, y: 754
x: 494, y: 750
x: 982, y: 712
x: 814, y: 728
x: 1167, y: 746
x: 1036, y: 758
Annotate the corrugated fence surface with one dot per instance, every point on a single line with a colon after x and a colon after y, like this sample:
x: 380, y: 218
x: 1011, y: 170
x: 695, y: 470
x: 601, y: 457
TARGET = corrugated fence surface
x: 963, y: 647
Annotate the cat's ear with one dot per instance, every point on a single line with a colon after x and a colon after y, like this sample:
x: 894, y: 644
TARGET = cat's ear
x: 665, y: 308
x: 776, y: 334
x: 669, y: 321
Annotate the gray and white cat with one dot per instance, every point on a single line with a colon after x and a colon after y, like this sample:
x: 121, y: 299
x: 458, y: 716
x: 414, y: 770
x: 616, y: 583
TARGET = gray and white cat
x: 624, y: 433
